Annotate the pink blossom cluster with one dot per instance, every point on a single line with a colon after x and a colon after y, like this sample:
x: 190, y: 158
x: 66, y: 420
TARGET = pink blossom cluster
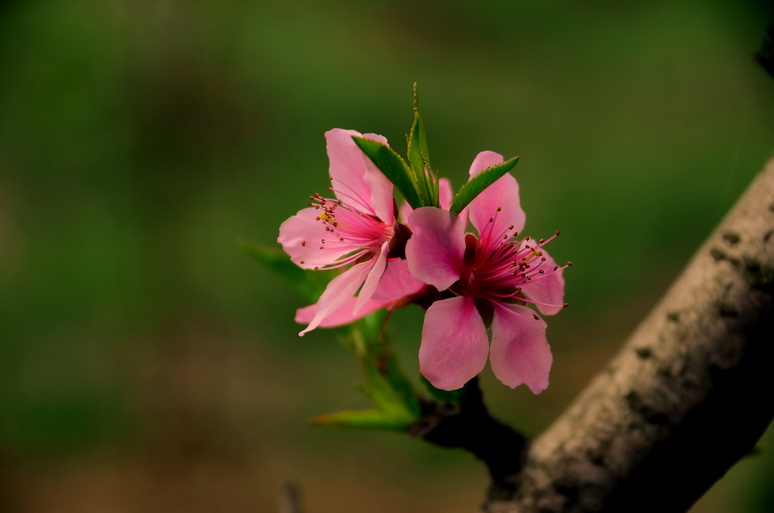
x: 468, y: 282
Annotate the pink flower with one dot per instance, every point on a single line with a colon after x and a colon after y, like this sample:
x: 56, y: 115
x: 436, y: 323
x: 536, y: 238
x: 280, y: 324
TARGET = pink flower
x: 488, y: 279
x: 357, y: 228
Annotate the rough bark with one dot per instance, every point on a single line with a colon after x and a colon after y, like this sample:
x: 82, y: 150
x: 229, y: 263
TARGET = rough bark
x: 688, y: 395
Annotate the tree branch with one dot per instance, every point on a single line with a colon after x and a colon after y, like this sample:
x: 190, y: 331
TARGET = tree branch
x: 688, y: 395
x: 468, y: 425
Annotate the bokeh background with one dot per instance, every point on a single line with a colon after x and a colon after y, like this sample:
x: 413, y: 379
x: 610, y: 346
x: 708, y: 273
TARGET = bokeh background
x: 147, y: 364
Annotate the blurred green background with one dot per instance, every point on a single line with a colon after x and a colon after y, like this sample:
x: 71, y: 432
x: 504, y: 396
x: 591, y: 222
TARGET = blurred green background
x: 147, y: 364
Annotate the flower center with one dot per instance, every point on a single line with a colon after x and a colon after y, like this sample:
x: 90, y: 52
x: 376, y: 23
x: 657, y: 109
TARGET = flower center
x: 497, y: 265
x: 350, y: 230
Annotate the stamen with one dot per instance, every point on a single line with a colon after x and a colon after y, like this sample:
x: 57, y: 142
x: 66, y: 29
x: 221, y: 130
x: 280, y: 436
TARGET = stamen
x: 352, y: 195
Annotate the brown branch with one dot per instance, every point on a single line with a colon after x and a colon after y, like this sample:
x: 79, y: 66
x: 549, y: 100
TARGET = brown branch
x: 688, y: 395
x: 468, y: 425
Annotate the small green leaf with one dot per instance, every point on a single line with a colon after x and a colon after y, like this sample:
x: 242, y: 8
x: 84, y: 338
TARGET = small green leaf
x: 384, y: 382
x: 478, y: 183
x: 361, y: 419
x: 371, y: 329
x: 420, y: 164
x: 416, y: 139
x: 310, y: 284
x: 394, y: 168
x: 419, y: 158
x: 401, y: 384
x: 388, y: 388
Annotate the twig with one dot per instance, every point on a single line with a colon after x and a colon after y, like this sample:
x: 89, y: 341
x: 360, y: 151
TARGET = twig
x: 290, y: 498
x: 468, y: 425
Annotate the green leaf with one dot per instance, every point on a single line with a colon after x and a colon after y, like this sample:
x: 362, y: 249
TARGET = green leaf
x: 361, y: 419
x: 310, y: 284
x: 419, y: 158
x: 389, y: 390
x: 401, y: 384
x: 416, y: 140
x: 384, y: 382
x: 371, y: 328
x: 394, y: 168
x: 477, y: 184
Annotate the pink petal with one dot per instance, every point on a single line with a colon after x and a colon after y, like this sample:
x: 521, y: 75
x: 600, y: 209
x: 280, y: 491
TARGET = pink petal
x: 355, y: 179
x: 340, y: 290
x: 301, y: 235
x: 547, y: 288
x: 504, y: 193
x: 484, y: 160
x: 436, y: 247
x: 339, y: 317
x: 454, y: 343
x: 373, y: 278
x: 445, y: 193
x: 404, y: 212
x: 520, y: 353
x: 397, y: 282
x: 445, y: 197
x: 382, y: 198
x: 376, y: 137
